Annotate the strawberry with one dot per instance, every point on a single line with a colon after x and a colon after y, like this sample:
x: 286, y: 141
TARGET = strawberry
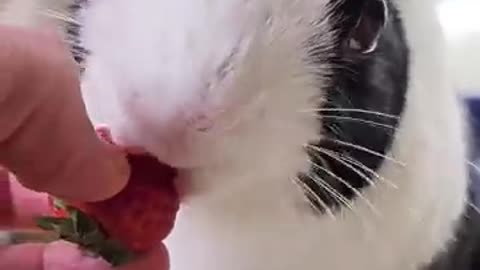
x: 130, y: 223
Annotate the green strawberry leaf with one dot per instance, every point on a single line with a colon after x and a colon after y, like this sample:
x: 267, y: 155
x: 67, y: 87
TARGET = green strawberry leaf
x: 85, y: 232
x: 85, y: 224
x: 115, y: 253
x: 61, y: 226
x: 66, y: 228
x: 49, y: 223
x: 93, y: 238
x: 74, y: 219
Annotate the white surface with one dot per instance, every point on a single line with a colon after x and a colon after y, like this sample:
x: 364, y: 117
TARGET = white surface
x: 461, y: 23
x: 459, y: 17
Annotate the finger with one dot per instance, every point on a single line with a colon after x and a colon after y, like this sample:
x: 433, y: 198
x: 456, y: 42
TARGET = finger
x: 46, y: 138
x: 65, y: 256
x: 55, y: 256
x: 62, y: 255
x: 22, y: 257
x: 20, y: 206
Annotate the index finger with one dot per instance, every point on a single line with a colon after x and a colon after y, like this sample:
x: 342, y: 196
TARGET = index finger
x: 22, y: 257
x: 23, y: 206
x: 64, y: 256
x: 46, y: 138
x: 20, y: 206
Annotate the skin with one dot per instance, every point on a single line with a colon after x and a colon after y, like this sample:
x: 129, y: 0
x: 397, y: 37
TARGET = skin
x: 47, y: 141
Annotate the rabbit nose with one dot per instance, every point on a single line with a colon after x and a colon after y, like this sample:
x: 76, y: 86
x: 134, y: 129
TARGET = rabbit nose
x: 201, y: 122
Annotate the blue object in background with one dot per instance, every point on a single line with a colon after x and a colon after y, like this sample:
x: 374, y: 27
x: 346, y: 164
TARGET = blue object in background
x: 473, y: 107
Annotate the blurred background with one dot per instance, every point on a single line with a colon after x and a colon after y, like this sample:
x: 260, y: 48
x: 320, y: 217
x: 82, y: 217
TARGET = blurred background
x: 461, y: 23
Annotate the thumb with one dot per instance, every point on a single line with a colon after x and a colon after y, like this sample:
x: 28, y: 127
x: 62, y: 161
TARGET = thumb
x: 46, y: 138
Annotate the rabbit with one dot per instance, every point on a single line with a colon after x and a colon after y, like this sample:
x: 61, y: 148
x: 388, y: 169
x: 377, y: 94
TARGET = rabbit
x: 307, y: 134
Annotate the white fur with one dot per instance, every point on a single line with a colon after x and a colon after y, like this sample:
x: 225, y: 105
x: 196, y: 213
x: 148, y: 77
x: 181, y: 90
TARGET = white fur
x: 152, y: 79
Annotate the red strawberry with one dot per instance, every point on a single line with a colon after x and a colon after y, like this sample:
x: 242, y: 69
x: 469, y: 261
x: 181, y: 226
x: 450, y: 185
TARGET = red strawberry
x: 131, y: 222
x: 144, y: 212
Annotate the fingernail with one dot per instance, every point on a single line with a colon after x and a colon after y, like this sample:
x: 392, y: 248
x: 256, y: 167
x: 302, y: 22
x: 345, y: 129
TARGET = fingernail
x: 110, y: 181
x: 119, y: 160
x: 121, y: 166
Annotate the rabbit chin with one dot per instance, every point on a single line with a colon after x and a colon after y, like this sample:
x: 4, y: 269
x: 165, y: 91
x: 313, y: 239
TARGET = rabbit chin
x: 251, y: 215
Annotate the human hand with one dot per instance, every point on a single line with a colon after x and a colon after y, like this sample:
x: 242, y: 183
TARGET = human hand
x: 58, y: 255
x: 47, y: 141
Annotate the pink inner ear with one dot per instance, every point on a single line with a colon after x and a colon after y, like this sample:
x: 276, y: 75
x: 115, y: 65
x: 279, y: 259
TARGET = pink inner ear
x: 370, y: 26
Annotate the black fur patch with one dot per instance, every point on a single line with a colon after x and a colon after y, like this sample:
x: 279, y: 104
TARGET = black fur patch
x: 375, y: 82
x: 73, y: 29
x: 463, y: 253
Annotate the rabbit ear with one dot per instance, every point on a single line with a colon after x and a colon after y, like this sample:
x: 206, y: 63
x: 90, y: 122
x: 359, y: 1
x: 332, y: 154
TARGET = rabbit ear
x: 373, y: 18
